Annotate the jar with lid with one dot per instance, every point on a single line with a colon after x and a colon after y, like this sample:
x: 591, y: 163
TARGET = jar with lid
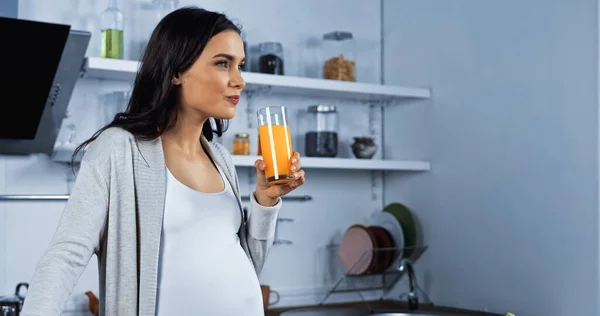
x: 339, y: 54
x: 321, y: 140
x: 270, y: 60
x: 241, y: 144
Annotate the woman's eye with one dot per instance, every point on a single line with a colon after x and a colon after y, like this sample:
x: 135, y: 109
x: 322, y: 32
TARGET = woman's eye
x: 222, y: 64
x: 241, y: 66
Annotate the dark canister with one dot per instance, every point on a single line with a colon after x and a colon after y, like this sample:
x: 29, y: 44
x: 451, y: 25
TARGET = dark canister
x: 321, y: 140
x: 271, y: 58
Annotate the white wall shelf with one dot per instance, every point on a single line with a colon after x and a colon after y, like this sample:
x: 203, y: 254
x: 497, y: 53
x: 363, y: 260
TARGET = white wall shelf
x: 63, y: 154
x: 346, y: 163
x: 114, y: 69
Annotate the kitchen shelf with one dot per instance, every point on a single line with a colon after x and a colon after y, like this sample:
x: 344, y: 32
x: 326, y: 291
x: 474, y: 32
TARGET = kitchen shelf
x: 63, y: 154
x: 116, y: 69
x: 346, y: 163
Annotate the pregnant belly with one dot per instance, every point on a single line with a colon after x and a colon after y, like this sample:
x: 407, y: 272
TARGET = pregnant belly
x: 211, y: 281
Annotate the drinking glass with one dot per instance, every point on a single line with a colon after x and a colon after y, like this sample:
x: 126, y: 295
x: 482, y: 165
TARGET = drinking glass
x: 275, y: 144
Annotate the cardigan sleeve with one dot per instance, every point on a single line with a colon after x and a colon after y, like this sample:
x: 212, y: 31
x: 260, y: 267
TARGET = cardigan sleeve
x: 260, y: 232
x: 76, y: 239
x: 262, y: 220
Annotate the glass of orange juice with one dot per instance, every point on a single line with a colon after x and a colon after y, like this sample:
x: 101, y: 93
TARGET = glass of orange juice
x: 275, y: 144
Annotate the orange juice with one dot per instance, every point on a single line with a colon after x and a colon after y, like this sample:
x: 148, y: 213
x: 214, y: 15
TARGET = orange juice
x: 276, y: 149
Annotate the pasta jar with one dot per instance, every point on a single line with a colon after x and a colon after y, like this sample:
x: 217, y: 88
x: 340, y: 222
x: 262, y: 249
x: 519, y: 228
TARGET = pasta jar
x: 241, y: 144
x: 339, y: 56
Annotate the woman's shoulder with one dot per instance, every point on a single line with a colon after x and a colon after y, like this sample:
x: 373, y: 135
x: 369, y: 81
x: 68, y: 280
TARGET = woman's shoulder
x: 109, y: 142
x: 114, y: 135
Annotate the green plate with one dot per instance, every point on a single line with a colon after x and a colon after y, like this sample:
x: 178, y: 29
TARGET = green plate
x: 408, y: 223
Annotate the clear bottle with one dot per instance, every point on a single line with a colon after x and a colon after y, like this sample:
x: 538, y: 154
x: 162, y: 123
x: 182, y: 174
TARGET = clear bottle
x: 112, y: 32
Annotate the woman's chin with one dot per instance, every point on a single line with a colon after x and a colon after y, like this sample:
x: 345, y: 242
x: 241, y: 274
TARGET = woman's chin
x: 227, y: 115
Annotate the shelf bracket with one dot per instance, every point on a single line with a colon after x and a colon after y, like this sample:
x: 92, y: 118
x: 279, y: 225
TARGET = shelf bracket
x: 249, y: 108
x: 276, y: 240
x: 376, y: 123
x: 372, y: 119
x: 376, y: 131
x: 377, y: 189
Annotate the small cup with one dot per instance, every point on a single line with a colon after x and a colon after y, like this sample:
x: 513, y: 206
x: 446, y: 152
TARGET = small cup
x: 266, y: 294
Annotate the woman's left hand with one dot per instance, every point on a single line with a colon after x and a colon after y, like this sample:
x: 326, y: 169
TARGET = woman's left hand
x: 269, y: 195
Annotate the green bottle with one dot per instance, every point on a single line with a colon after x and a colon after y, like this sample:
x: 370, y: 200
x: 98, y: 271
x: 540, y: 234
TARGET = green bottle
x: 112, y: 32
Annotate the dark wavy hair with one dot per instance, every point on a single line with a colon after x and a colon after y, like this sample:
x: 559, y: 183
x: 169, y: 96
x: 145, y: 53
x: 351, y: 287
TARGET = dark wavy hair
x: 175, y: 44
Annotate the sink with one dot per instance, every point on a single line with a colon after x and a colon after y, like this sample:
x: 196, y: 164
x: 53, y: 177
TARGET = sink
x: 417, y: 313
x: 337, y: 311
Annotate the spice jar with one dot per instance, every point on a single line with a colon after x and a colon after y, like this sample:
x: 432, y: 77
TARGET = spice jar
x: 339, y: 56
x: 241, y: 144
x: 271, y: 58
x: 321, y: 140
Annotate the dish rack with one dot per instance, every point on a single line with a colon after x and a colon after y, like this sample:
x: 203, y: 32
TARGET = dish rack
x: 384, y: 281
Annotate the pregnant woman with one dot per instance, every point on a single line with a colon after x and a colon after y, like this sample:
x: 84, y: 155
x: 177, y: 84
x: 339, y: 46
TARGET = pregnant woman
x: 157, y: 199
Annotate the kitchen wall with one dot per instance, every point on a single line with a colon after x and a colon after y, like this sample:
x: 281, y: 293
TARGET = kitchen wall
x: 510, y: 209
x: 300, y: 271
x: 511, y: 132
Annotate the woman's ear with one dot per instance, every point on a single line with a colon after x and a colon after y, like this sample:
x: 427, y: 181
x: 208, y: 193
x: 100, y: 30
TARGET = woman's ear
x: 176, y: 80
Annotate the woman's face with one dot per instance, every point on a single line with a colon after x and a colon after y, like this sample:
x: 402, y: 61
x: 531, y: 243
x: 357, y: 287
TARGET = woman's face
x: 212, y: 86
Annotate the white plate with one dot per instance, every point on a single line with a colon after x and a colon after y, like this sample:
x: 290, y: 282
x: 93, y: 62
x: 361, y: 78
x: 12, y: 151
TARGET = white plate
x: 391, y: 224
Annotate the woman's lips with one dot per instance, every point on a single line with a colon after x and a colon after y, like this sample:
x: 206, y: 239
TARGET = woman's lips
x: 233, y: 99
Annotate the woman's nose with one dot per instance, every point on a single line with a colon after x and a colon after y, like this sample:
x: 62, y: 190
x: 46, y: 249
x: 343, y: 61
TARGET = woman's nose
x: 237, y: 81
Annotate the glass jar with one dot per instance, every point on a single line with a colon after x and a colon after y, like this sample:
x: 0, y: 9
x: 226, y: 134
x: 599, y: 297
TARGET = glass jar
x: 321, y: 140
x: 241, y: 144
x: 270, y: 59
x: 339, y: 53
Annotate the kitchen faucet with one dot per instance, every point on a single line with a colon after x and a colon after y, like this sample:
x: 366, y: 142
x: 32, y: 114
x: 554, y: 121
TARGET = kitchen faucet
x: 412, y: 296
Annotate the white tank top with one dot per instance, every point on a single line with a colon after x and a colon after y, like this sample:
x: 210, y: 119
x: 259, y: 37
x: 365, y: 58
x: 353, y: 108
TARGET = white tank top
x: 203, y: 268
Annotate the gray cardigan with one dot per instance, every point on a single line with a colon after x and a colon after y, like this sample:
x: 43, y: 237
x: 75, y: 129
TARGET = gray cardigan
x: 115, y: 211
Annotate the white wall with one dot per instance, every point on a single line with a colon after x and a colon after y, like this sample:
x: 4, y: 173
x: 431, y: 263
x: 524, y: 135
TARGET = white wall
x: 341, y: 198
x: 510, y: 209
